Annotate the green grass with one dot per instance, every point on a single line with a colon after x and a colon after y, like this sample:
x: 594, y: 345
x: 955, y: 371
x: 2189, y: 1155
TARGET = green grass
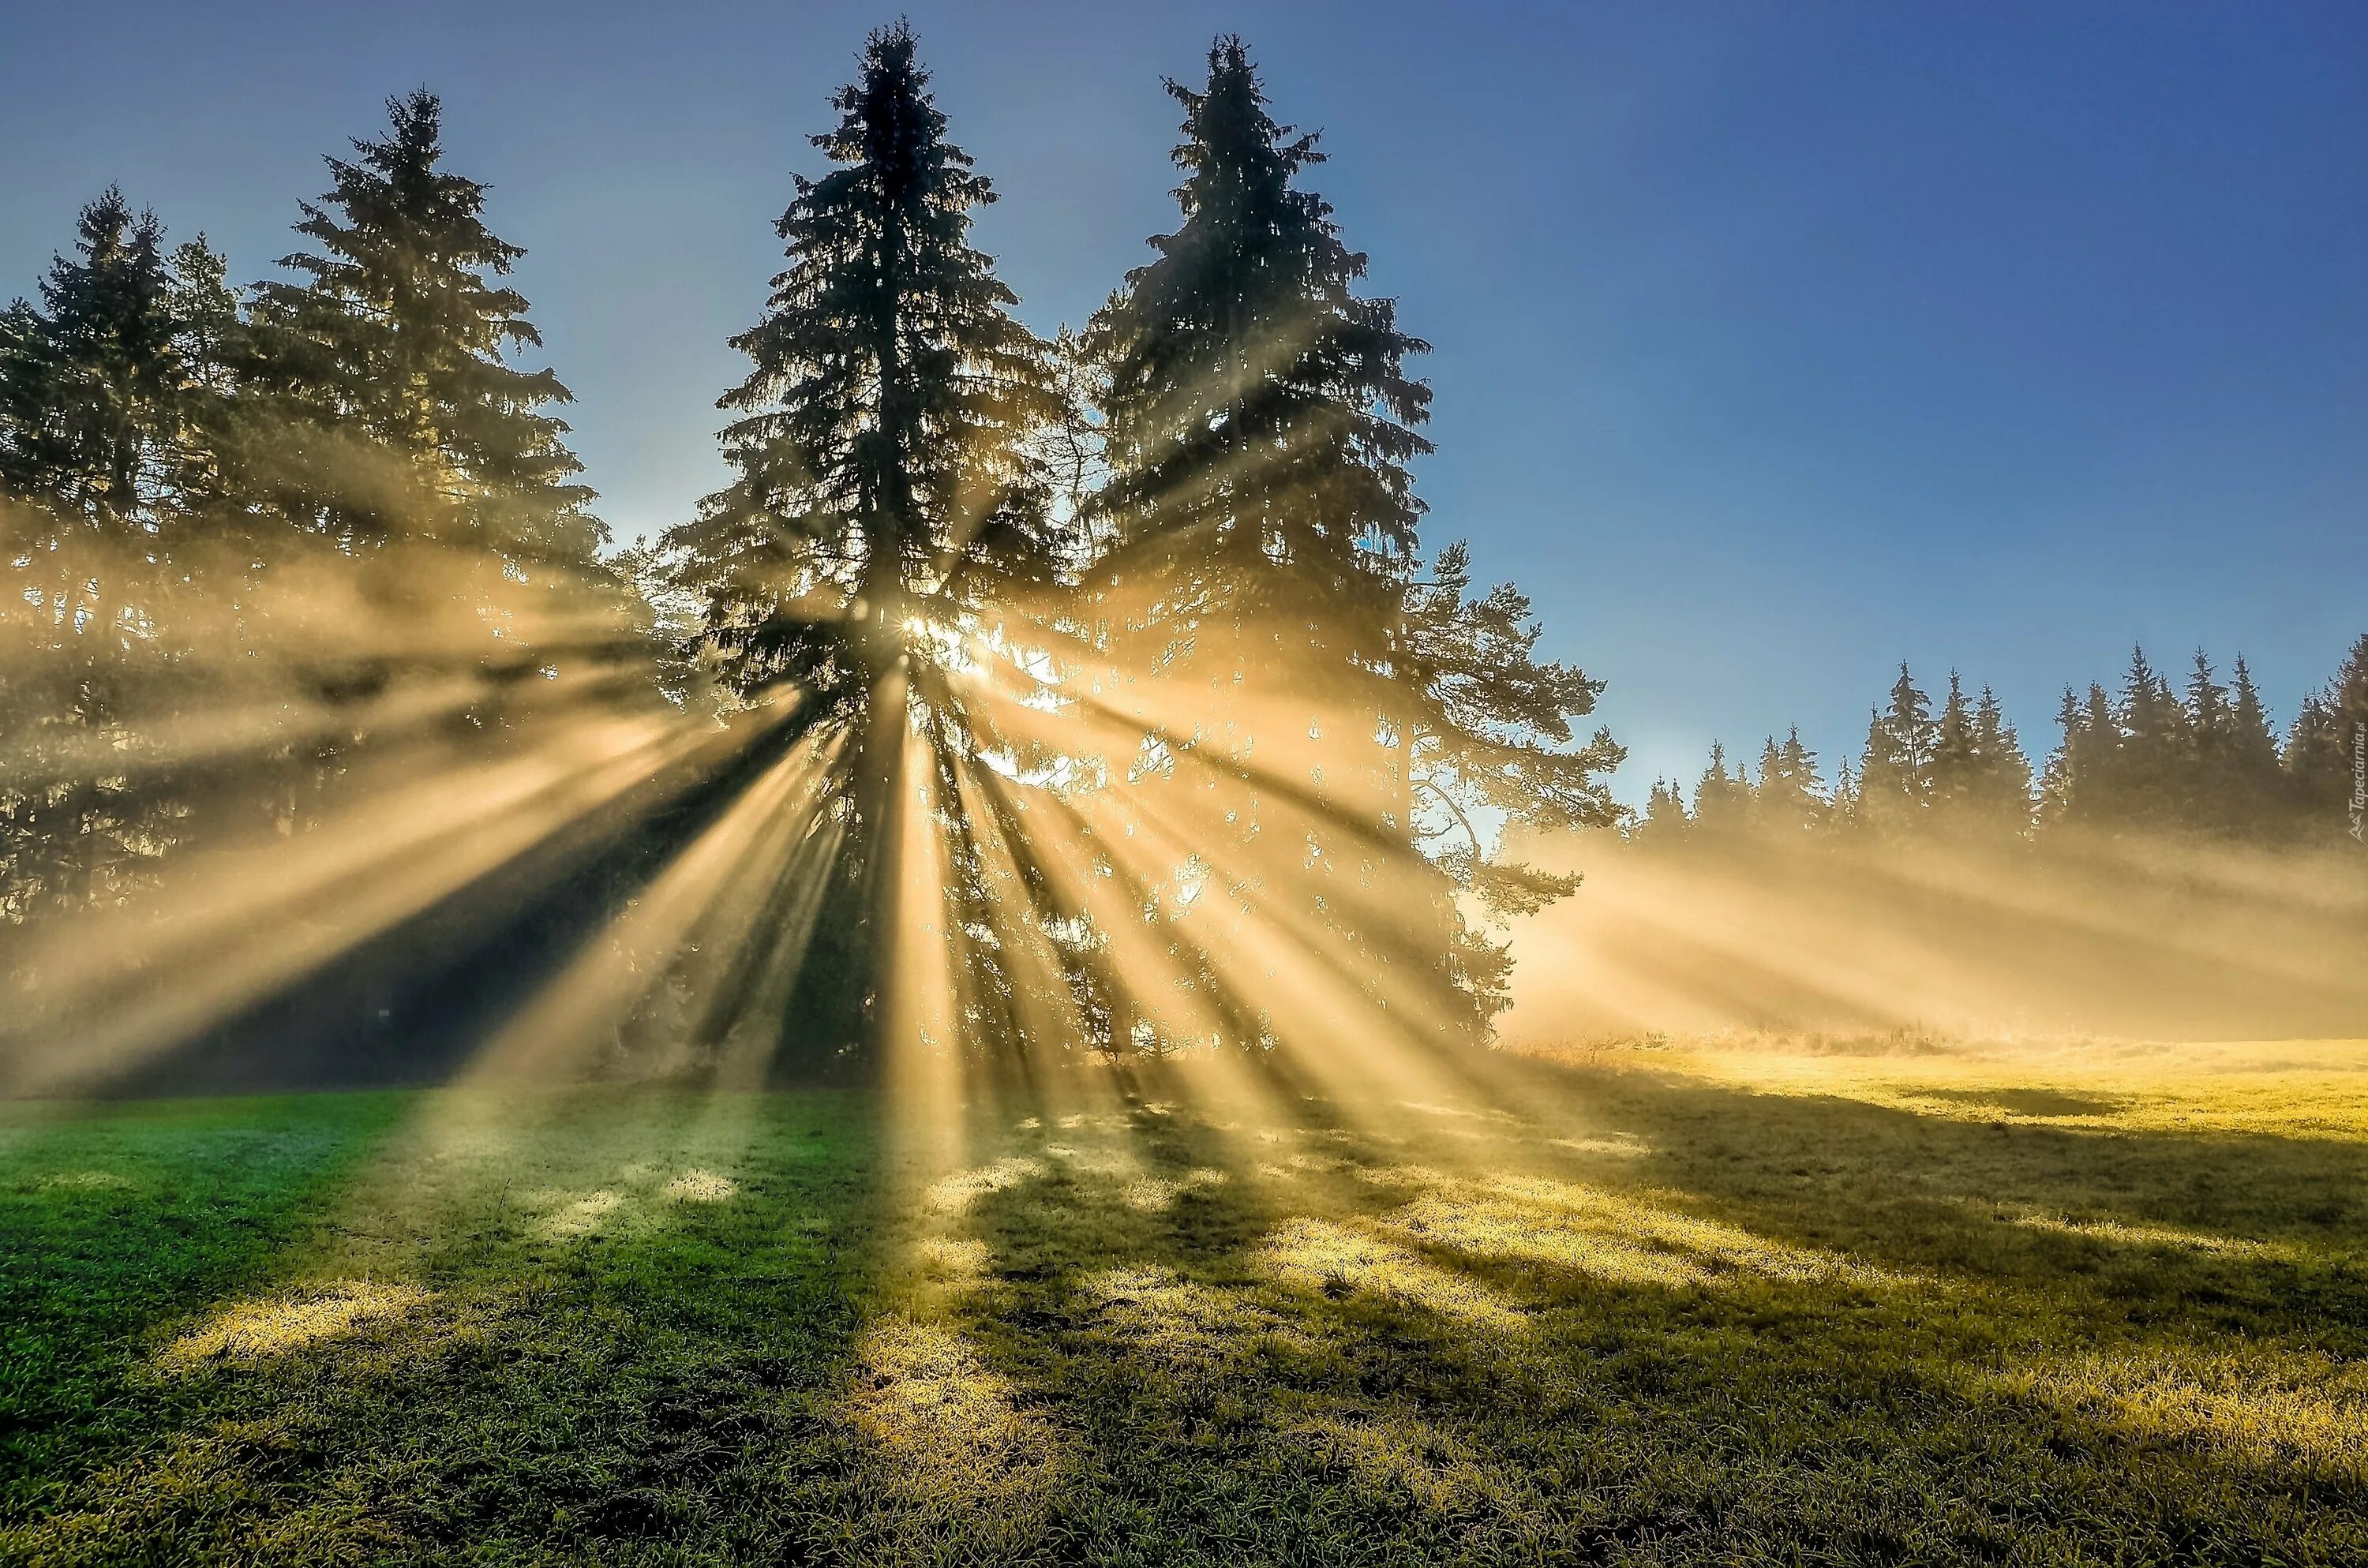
x: 1738, y: 1306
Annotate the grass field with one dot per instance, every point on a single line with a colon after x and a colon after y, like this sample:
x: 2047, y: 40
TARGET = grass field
x: 1765, y: 1303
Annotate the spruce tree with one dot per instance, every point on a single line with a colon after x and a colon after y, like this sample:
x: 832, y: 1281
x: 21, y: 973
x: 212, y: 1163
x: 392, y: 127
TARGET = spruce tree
x: 1956, y: 763
x: 1665, y: 822
x: 1789, y: 801
x: 887, y: 508
x: 2077, y: 789
x: 2001, y: 800
x: 1258, y: 590
x: 94, y: 450
x: 2151, y: 750
x: 1721, y: 796
x: 2207, y: 797
x: 1894, y: 772
x: 397, y: 417
x: 2256, y: 802
x: 2325, y: 748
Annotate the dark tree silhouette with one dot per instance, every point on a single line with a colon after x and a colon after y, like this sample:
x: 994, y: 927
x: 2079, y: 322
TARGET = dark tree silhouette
x: 887, y: 504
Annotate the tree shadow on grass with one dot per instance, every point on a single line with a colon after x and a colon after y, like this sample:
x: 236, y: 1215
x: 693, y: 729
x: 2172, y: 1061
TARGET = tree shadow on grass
x: 1683, y: 1322
x: 1599, y: 1314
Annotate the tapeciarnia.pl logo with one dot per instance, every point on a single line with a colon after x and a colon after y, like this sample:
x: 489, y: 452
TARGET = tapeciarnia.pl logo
x: 2360, y: 782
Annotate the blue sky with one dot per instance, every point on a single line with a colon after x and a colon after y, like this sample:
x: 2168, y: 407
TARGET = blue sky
x: 1775, y: 342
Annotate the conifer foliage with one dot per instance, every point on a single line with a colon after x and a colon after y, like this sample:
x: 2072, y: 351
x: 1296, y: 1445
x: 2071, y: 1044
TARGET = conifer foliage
x: 889, y: 508
x: 1341, y: 719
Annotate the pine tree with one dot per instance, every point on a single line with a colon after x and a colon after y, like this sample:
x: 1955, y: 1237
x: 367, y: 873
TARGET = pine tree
x: 2324, y: 750
x: 2152, y: 747
x: 93, y: 453
x: 2256, y: 802
x: 1486, y: 731
x: 1259, y: 590
x: 2001, y: 800
x: 1896, y: 770
x: 887, y: 507
x: 397, y: 418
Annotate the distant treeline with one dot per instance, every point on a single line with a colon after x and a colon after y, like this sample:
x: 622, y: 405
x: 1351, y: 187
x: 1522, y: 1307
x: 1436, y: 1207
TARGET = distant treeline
x: 2146, y: 758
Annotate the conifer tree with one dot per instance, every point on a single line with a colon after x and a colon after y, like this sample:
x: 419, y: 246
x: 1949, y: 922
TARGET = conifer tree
x: 2078, y: 785
x: 1894, y: 772
x: 397, y: 417
x: 1789, y: 801
x: 1842, y: 806
x: 887, y: 507
x: 2001, y: 800
x: 1259, y: 423
x: 1721, y: 796
x: 2151, y: 749
x: 92, y: 451
x: 1956, y: 763
x: 2257, y: 800
x: 1665, y: 822
x: 2207, y: 798
x: 2325, y: 748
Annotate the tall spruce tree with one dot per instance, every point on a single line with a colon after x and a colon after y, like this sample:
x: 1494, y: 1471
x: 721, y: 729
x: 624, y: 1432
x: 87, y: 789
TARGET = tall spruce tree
x: 93, y: 453
x: 1788, y: 802
x: 2076, y: 789
x: 887, y: 505
x: 1895, y: 774
x: 2151, y: 750
x: 397, y: 418
x: 1956, y: 762
x: 2001, y: 797
x: 2256, y: 788
x: 1721, y: 796
x: 1259, y: 425
x: 1665, y: 822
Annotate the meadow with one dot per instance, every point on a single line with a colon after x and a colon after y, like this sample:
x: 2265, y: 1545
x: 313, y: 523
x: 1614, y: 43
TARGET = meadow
x: 1744, y: 1300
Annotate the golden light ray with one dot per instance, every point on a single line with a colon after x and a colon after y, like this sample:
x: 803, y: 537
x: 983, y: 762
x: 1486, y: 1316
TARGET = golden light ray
x: 708, y: 901
x: 230, y: 929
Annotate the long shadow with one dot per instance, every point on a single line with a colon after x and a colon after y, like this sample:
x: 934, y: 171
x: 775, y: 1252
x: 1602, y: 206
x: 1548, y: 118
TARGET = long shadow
x: 1925, y: 1400
x: 413, y: 1003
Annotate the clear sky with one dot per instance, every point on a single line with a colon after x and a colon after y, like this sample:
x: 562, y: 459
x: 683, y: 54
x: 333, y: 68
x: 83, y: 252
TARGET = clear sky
x: 1775, y: 342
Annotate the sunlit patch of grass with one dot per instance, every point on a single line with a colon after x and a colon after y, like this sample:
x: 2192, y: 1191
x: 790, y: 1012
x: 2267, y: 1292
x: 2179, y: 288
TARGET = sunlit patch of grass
x: 702, y: 1186
x: 1616, y: 1148
x: 2266, y: 1406
x: 2121, y: 1235
x: 251, y: 1330
x: 84, y: 1181
x: 950, y: 1423
x: 1155, y: 1194
x: 1436, y: 1469
x: 1341, y: 1261
x: 956, y: 1193
x: 571, y: 1217
x: 2288, y: 1088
